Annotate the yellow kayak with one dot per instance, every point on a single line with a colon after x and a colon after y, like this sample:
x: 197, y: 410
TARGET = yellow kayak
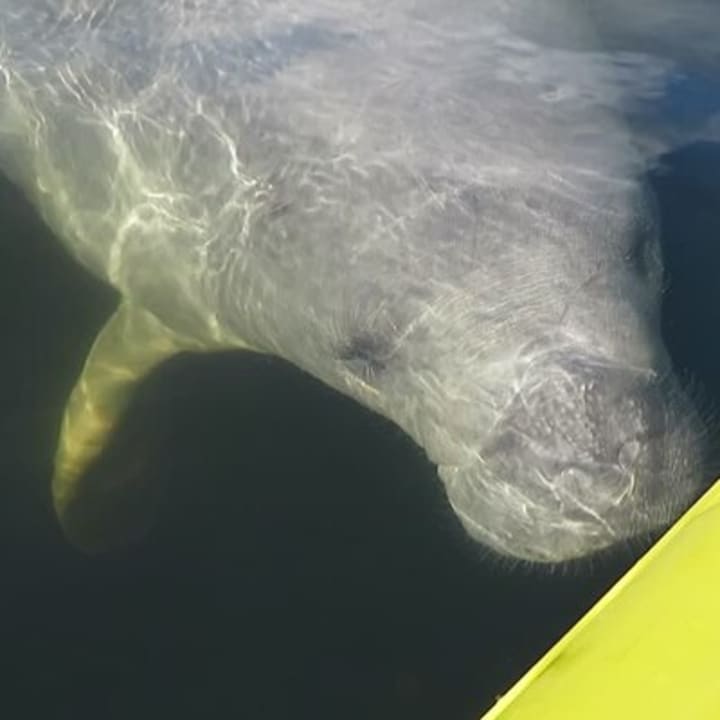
x: 650, y: 648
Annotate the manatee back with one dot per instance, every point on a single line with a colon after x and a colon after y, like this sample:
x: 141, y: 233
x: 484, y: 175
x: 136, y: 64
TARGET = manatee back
x: 127, y: 118
x: 267, y: 143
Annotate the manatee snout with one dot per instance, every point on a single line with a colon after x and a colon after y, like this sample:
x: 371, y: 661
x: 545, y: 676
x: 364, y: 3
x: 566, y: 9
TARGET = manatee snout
x: 585, y: 454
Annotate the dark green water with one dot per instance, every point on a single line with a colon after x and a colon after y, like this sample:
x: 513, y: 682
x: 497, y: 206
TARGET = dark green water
x: 304, y: 563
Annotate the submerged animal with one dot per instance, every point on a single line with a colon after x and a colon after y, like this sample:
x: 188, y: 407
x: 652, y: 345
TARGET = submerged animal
x: 420, y: 203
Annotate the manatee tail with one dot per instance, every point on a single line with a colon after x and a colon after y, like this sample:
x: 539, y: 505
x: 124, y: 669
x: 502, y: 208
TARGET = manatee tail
x: 97, y: 513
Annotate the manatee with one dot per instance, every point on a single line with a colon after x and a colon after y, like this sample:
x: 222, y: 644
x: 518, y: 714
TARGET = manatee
x: 436, y: 208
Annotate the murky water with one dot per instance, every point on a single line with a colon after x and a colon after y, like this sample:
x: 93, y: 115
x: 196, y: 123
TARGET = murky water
x: 305, y: 563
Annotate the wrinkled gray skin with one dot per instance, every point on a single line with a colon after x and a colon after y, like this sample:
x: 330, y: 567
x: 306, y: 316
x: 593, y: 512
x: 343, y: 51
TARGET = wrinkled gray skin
x: 434, y: 207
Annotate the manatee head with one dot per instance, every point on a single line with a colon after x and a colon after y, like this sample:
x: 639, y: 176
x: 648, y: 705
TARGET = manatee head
x: 533, y: 373
x: 546, y: 455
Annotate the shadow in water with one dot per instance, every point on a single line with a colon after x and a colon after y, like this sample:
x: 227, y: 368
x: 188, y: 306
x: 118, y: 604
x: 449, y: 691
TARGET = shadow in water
x: 687, y: 185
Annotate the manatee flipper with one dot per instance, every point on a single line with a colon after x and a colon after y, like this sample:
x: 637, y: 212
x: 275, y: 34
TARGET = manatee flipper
x: 106, y: 511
